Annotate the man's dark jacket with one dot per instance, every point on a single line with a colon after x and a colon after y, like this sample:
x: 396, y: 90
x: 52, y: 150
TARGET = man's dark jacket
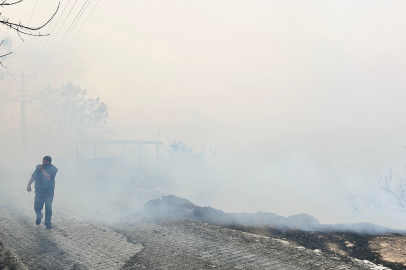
x: 41, y: 183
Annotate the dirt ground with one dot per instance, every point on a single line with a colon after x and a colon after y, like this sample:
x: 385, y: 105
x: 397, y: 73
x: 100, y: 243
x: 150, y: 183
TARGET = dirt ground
x: 79, y: 241
x: 391, y: 248
x: 388, y: 250
x: 76, y: 243
x: 7, y: 260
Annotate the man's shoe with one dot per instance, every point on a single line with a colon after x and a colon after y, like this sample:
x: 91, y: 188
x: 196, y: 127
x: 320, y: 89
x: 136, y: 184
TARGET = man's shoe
x: 48, y: 225
x: 39, y: 217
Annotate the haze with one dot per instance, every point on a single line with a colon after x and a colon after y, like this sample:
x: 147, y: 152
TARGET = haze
x: 303, y: 100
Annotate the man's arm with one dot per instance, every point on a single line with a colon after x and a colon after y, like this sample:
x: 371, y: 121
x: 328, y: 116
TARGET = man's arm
x: 47, y: 176
x: 29, y: 184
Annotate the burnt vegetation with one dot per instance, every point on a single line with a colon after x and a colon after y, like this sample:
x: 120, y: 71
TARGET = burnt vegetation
x: 342, y: 244
x: 304, y: 230
x: 7, y: 261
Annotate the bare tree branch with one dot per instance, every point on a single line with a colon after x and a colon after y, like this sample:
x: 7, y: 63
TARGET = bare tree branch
x: 387, y: 196
x: 4, y: 3
x: 6, y: 53
x: 20, y: 28
x: 23, y: 29
x: 1, y: 62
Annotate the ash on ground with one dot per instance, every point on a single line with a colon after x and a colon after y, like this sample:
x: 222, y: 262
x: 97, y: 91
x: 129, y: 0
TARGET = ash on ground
x: 364, y: 241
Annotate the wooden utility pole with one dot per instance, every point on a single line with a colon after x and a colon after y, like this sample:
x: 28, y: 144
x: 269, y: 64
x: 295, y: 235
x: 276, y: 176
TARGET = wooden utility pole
x: 157, y: 148
x: 23, y: 95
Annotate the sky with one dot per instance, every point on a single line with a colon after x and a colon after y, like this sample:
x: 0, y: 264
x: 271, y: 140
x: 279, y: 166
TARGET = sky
x: 303, y: 100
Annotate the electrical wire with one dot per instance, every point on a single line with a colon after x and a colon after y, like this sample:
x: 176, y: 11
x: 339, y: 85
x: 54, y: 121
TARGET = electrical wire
x: 83, y: 24
x: 53, y: 29
x: 73, y: 24
x: 59, y: 29
x: 78, y: 30
x: 29, y: 21
x: 32, y: 12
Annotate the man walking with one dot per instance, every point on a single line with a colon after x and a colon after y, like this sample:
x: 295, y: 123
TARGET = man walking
x: 44, y: 177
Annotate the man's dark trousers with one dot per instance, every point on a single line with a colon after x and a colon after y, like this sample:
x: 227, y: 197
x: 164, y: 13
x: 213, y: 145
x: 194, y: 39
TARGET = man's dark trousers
x: 46, y: 197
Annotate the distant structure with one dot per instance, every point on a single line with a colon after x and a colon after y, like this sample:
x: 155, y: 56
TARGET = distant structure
x: 98, y: 156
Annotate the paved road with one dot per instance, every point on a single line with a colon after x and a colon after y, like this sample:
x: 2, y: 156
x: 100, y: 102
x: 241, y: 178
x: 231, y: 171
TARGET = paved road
x: 77, y: 242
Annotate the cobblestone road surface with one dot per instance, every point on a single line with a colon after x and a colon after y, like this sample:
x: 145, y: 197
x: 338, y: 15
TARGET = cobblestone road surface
x: 75, y: 242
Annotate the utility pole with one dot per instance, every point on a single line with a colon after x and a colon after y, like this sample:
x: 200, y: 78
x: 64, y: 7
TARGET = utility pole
x: 157, y: 148
x: 23, y: 121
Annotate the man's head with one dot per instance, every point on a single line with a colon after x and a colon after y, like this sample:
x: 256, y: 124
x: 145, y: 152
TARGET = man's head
x: 47, y: 160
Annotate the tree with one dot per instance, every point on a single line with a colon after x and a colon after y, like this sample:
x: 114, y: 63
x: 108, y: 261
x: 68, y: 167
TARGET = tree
x: 3, y: 54
x: 180, y: 152
x: 190, y: 171
x: 387, y: 196
x: 74, y: 115
x: 20, y: 28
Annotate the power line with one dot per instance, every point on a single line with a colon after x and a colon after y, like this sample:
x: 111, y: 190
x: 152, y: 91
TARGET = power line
x: 66, y: 33
x: 83, y: 23
x: 29, y: 21
x: 49, y: 26
x: 47, y: 38
x: 60, y: 27
x: 46, y: 51
x: 73, y: 24
x: 32, y: 12
x: 79, y: 28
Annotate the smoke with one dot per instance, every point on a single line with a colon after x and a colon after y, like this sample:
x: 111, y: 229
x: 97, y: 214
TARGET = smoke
x: 175, y: 207
x: 101, y: 185
x: 301, y: 101
x: 108, y: 187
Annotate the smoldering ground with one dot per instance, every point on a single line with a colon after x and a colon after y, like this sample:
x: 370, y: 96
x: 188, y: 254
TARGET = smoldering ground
x: 113, y: 188
x: 110, y: 196
x: 109, y: 193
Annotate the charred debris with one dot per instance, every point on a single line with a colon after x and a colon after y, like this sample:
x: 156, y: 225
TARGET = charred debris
x: 354, y: 240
